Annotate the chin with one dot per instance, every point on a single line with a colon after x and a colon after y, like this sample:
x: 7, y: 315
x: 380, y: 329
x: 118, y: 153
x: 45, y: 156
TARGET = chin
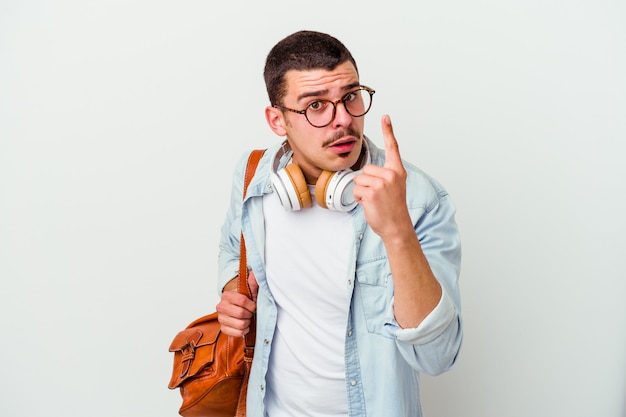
x: 350, y: 162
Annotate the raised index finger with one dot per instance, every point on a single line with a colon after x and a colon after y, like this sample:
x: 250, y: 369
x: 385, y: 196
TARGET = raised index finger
x: 392, y: 151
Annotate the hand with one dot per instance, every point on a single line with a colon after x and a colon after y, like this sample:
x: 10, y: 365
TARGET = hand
x: 381, y: 191
x: 235, y: 310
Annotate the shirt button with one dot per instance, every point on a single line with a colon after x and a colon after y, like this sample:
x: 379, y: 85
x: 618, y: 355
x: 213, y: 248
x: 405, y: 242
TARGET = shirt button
x: 360, y: 236
x: 349, y: 332
x: 262, y: 387
x: 353, y: 382
x: 349, y: 282
x: 265, y: 341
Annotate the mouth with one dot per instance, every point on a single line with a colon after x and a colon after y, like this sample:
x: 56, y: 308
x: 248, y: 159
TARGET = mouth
x: 343, y: 142
x: 343, y: 146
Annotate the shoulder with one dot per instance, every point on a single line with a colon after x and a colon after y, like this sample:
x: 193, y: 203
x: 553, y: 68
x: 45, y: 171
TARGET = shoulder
x: 422, y: 189
x: 260, y: 179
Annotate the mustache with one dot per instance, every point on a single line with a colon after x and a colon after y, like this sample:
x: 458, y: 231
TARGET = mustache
x: 340, y: 134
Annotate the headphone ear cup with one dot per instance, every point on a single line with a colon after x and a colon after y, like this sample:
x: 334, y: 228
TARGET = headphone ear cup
x: 333, y: 190
x: 321, y: 186
x: 291, y: 187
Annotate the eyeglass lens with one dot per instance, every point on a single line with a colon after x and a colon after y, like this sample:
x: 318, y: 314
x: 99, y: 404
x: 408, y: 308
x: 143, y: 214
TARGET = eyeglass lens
x: 321, y: 113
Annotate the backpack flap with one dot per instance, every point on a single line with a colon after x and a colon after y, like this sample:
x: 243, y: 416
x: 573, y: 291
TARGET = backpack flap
x: 194, y: 348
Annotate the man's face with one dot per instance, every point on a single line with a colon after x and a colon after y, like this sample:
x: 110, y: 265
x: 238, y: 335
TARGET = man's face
x: 333, y: 147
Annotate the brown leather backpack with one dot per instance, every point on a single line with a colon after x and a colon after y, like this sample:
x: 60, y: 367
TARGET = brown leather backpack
x: 210, y: 368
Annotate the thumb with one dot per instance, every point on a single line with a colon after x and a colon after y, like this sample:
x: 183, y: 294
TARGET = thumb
x: 392, y: 151
x: 254, y: 285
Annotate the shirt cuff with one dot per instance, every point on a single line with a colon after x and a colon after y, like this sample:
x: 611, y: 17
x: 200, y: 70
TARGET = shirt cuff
x: 432, y: 326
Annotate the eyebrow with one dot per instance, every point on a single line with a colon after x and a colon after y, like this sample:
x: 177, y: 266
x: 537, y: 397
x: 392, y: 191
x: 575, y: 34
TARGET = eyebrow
x: 318, y: 93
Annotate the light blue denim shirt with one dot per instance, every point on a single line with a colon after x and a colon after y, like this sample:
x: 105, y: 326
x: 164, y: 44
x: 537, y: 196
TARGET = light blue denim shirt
x: 382, y: 360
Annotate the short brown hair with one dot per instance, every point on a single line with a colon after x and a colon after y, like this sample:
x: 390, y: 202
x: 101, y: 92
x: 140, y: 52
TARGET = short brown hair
x: 303, y: 50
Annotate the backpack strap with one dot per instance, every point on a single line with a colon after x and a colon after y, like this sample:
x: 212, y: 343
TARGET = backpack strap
x: 242, y: 283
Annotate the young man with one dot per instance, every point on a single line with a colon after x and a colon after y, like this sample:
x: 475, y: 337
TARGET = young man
x: 354, y: 253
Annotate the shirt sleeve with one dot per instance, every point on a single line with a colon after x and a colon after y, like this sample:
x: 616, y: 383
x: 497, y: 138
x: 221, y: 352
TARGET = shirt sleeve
x: 431, y: 327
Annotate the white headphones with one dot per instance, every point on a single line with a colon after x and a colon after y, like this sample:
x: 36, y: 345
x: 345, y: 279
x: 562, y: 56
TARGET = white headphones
x: 333, y: 190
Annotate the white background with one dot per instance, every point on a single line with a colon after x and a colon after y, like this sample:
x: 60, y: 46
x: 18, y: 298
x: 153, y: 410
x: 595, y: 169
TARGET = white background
x: 120, y: 123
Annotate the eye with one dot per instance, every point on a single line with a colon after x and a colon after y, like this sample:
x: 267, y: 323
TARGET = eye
x: 317, y: 105
x: 349, y: 97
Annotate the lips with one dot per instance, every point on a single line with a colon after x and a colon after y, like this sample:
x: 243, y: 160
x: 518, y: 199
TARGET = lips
x: 343, y: 146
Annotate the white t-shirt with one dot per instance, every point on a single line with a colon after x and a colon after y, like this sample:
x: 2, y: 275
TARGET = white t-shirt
x: 307, y: 254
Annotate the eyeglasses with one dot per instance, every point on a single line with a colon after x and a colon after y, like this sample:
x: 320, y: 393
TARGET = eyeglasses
x: 321, y: 113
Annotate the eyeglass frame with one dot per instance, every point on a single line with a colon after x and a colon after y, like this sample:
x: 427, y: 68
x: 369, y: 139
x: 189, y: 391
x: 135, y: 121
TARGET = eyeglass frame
x: 369, y: 90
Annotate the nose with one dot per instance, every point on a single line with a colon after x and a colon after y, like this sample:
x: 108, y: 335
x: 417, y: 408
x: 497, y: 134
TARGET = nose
x: 342, y: 117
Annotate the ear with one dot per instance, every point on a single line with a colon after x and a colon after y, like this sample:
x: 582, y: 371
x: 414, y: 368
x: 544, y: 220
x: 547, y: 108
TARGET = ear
x: 276, y: 120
